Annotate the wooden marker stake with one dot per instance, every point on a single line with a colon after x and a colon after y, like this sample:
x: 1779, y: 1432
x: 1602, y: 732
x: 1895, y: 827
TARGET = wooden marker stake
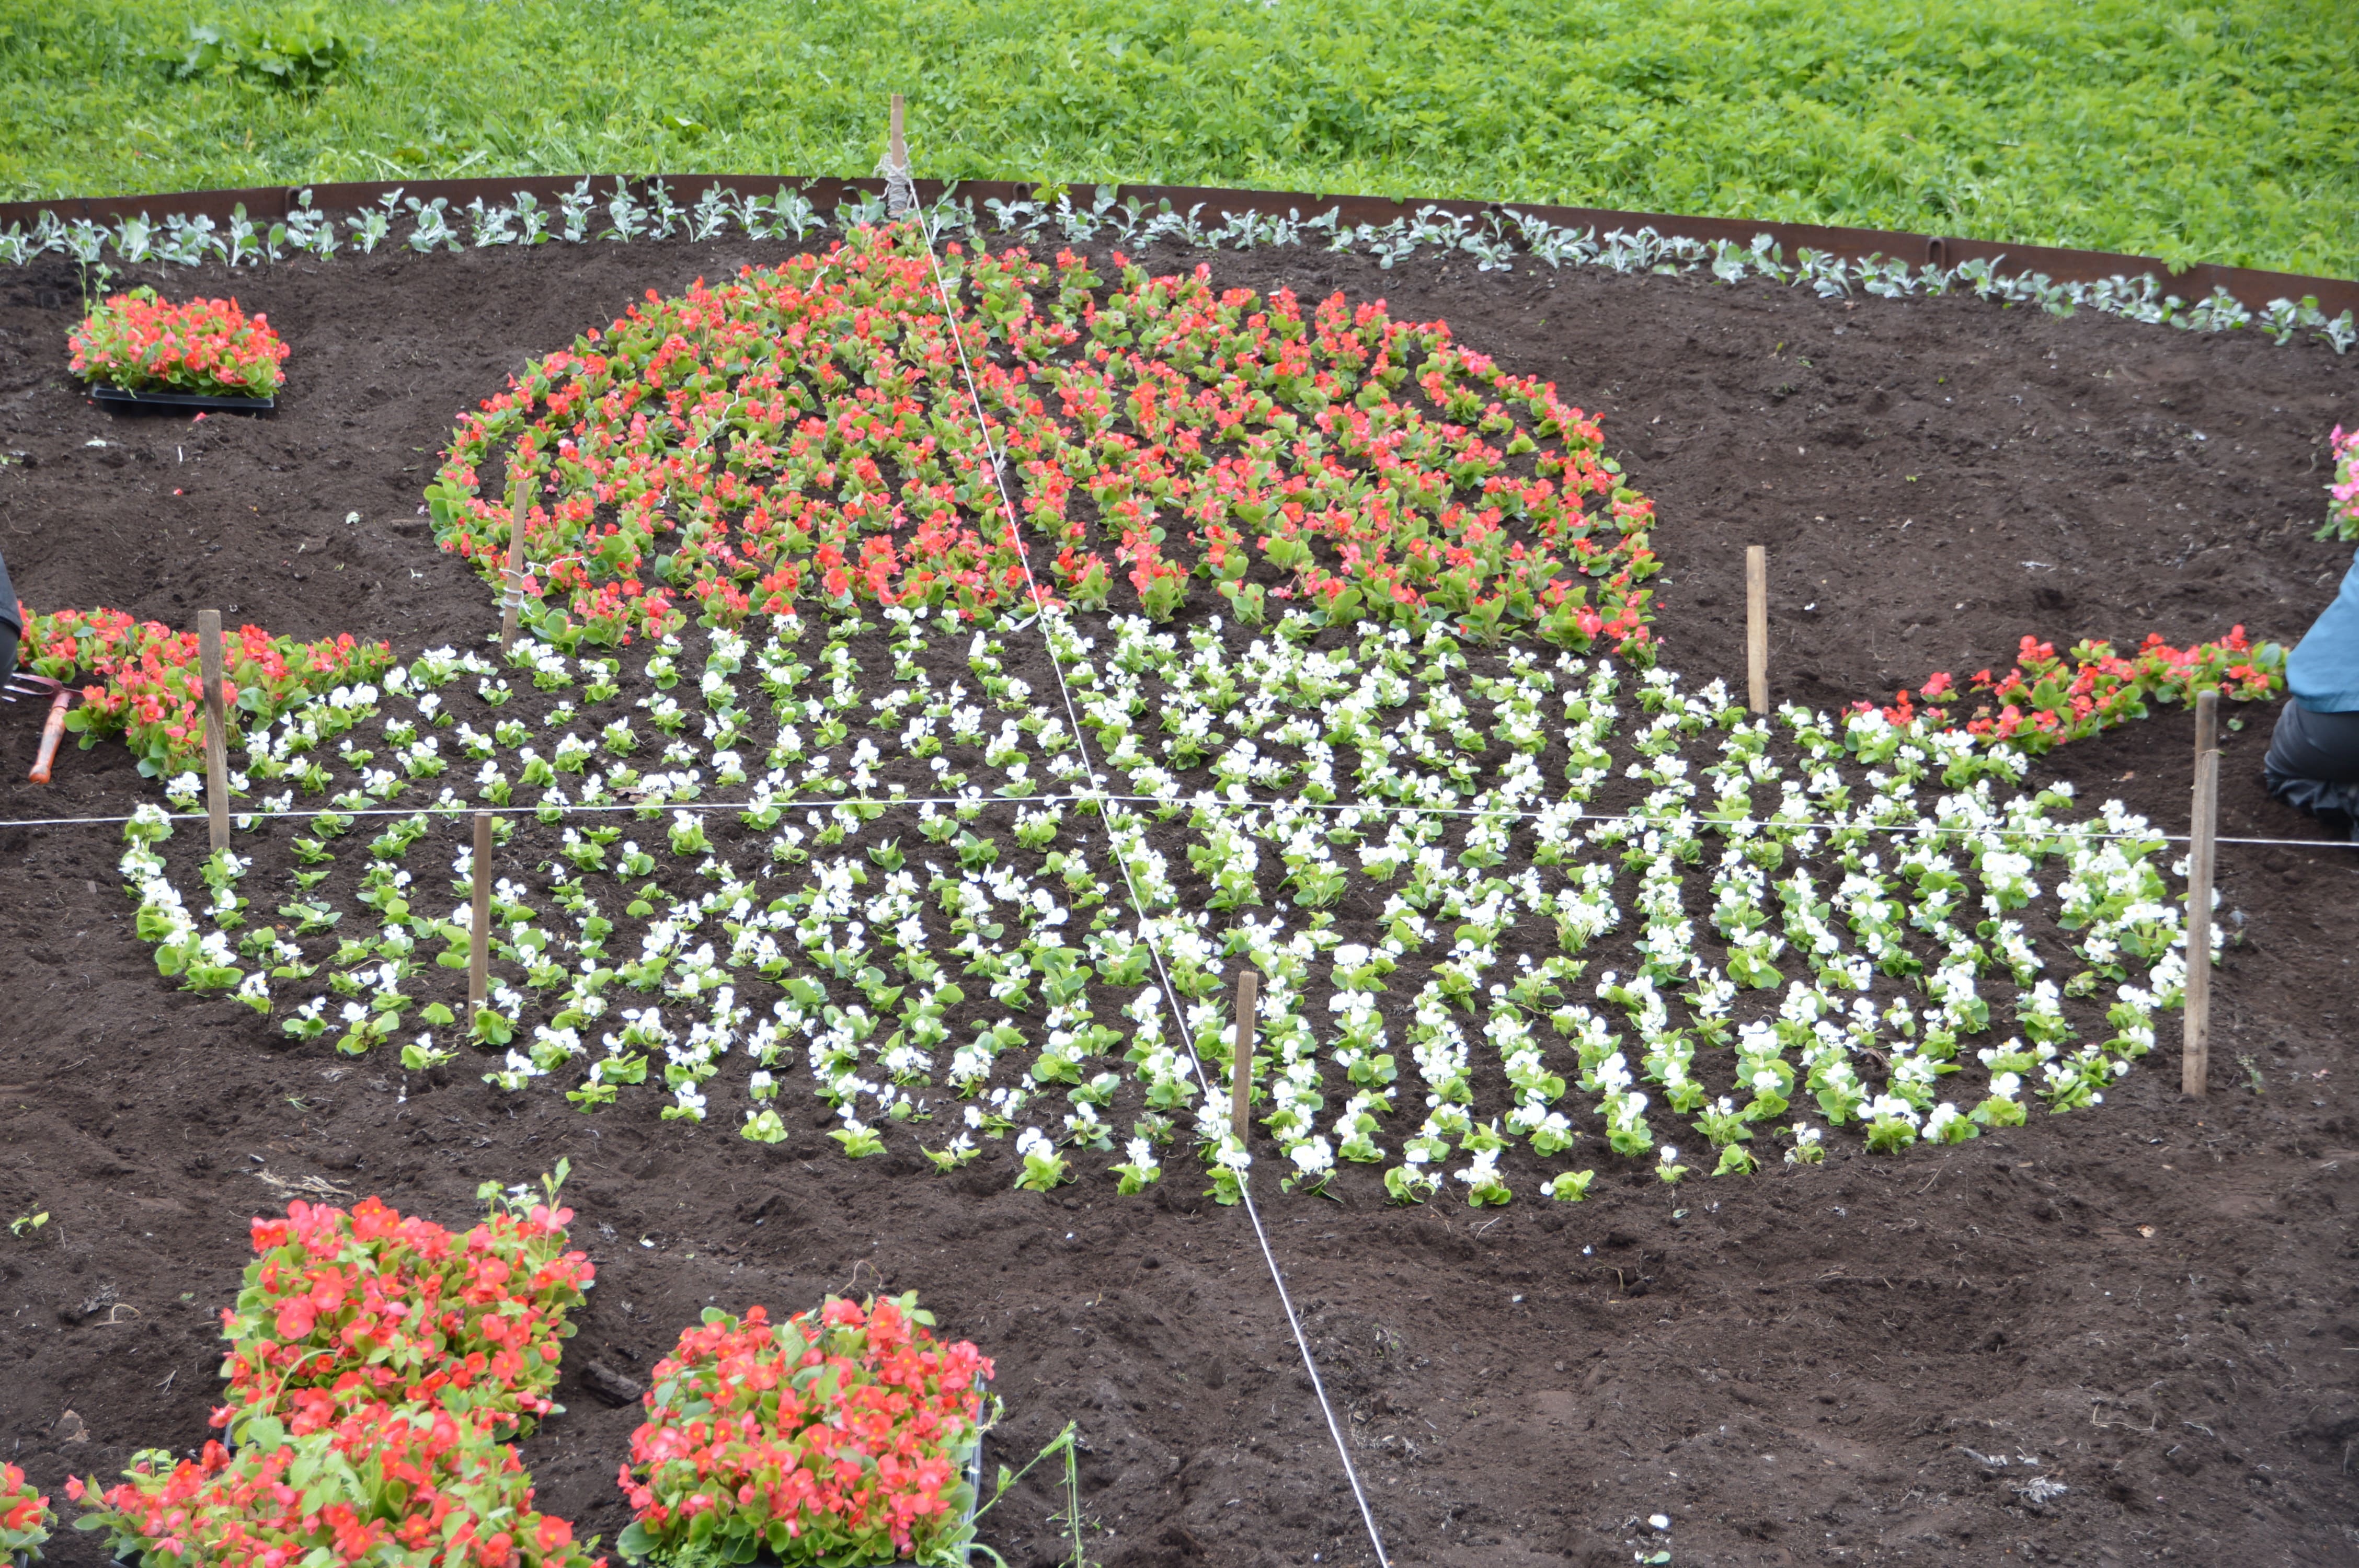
x: 2195, y: 1061
x: 1756, y: 629
x: 512, y: 600
x: 479, y: 934
x: 900, y: 195
x: 208, y: 671
x: 1241, y: 1063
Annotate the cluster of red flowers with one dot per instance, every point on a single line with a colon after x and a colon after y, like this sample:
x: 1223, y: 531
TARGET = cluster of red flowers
x: 149, y: 692
x: 839, y: 1435
x: 377, y: 1365
x: 371, y: 1307
x: 806, y: 431
x: 140, y: 343
x: 24, y: 1515
x: 2048, y: 699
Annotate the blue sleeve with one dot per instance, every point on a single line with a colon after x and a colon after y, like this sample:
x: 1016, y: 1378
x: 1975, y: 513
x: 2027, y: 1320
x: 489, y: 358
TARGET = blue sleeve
x: 2323, y: 671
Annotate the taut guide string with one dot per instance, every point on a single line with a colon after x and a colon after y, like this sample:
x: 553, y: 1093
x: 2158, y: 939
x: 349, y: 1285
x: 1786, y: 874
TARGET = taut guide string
x: 904, y: 192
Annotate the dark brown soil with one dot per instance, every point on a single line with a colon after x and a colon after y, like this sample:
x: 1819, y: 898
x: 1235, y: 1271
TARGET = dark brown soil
x: 1862, y: 1363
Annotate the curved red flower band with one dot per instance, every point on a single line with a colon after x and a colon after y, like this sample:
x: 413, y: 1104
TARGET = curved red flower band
x: 147, y: 688
x: 2047, y: 699
x: 806, y: 432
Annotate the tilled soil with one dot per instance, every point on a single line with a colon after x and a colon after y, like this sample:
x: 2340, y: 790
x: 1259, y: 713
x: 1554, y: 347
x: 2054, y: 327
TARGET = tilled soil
x: 1871, y: 1361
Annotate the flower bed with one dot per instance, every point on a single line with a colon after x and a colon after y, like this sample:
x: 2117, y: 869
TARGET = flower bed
x: 377, y: 1365
x: 1348, y: 814
x: 1897, y: 1226
x: 805, y: 433
x: 139, y: 342
x: 1361, y: 768
x: 148, y: 689
x: 838, y: 1436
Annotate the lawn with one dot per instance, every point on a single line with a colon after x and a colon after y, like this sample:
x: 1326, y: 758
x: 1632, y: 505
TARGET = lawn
x: 2217, y: 134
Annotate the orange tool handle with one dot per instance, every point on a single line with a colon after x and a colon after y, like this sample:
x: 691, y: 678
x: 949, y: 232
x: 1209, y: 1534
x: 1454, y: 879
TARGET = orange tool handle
x: 52, y: 733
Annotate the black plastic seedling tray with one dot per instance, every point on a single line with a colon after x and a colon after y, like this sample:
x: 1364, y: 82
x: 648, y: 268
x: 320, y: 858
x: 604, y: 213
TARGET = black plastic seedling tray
x: 115, y: 396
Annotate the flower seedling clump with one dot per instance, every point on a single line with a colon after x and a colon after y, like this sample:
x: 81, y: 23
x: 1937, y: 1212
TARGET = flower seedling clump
x: 141, y: 344
x: 24, y: 1516
x: 343, y: 1309
x: 147, y: 689
x: 382, y: 1484
x: 2049, y: 698
x: 840, y: 1435
x: 378, y: 1365
x: 2343, y: 513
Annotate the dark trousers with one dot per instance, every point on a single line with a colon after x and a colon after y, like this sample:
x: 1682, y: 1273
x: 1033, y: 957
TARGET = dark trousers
x: 2313, y: 765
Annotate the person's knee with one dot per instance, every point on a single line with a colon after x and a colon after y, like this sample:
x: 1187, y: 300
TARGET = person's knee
x: 2308, y: 744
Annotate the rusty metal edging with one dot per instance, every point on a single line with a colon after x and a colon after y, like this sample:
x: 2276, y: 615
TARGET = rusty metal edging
x: 2251, y: 286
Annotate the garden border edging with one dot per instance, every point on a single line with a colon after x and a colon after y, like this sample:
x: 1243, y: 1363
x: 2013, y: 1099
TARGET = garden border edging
x: 2251, y: 286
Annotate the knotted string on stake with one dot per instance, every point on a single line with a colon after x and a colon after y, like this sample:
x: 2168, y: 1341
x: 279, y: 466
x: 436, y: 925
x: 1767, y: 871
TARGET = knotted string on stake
x: 900, y: 189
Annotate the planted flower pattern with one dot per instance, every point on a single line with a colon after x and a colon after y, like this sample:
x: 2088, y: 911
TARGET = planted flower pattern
x: 805, y: 434
x: 1513, y: 908
x: 971, y: 850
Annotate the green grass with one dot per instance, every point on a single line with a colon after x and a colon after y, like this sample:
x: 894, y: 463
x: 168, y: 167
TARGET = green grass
x: 2229, y: 134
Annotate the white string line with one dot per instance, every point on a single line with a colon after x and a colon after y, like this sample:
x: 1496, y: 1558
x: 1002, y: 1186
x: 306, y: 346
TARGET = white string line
x: 1154, y: 949
x: 437, y: 808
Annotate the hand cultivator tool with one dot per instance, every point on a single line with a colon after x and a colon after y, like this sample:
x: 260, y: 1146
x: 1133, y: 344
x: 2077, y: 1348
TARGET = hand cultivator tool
x: 61, y: 696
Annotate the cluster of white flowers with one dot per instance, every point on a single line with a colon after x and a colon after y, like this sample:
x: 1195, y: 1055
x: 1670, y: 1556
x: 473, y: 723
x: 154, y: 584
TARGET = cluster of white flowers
x: 882, y: 847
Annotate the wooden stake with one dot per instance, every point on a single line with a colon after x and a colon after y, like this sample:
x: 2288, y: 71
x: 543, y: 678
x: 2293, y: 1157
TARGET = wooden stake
x: 900, y: 195
x: 520, y: 503
x: 1756, y: 629
x: 1241, y: 1062
x: 2195, y: 1061
x: 479, y: 934
x: 208, y: 671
